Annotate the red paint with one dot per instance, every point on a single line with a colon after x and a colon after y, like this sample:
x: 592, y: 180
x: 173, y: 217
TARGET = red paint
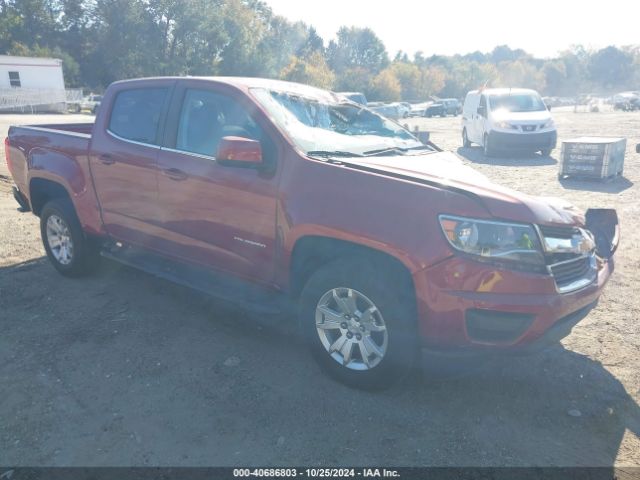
x: 247, y: 221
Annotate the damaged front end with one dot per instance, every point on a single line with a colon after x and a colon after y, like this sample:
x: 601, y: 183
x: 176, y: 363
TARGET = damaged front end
x: 574, y: 255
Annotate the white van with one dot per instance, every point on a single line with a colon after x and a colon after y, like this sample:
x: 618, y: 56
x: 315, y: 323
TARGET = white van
x: 508, y: 119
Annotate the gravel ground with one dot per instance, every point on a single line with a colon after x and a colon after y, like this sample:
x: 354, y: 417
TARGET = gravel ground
x: 125, y: 369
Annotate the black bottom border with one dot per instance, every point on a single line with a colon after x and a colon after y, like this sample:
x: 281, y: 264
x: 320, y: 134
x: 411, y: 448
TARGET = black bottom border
x: 396, y: 473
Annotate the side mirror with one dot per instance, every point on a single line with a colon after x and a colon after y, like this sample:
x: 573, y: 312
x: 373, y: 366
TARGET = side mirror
x: 239, y: 152
x: 482, y: 111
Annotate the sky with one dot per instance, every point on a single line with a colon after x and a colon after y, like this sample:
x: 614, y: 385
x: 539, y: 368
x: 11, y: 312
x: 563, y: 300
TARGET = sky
x: 445, y: 27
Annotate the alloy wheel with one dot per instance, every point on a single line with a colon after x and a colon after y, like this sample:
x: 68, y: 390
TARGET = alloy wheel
x: 59, y: 239
x: 351, y: 329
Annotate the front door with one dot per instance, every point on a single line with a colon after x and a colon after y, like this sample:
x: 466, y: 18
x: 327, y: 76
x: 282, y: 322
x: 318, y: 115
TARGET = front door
x: 479, y: 120
x: 216, y: 215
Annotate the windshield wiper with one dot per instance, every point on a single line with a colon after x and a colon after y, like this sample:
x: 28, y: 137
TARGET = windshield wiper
x: 332, y: 153
x: 390, y: 150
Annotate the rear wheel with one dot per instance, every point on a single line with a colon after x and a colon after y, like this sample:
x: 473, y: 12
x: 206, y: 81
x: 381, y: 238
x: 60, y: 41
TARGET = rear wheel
x: 359, y: 323
x: 67, y: 247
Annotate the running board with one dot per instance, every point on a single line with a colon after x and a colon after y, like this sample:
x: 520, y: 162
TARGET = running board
x: 246, y: 295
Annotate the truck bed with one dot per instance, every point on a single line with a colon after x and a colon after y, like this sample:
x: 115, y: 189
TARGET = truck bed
x: 84, y: 128
x: 33, y: 144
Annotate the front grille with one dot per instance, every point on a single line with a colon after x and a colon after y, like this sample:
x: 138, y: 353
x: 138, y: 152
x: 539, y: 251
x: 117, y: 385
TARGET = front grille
x: 571, y: 270
x: 567, y: 273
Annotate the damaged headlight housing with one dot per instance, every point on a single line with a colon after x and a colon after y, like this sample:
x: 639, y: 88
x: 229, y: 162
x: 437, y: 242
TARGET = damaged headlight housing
x: 516, y: 245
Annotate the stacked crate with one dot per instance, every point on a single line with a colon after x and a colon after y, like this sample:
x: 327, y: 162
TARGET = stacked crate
x: 600, y: 158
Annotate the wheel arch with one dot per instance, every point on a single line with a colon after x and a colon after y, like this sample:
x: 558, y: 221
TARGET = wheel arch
x: 42, y: 190
x: 311, y: 252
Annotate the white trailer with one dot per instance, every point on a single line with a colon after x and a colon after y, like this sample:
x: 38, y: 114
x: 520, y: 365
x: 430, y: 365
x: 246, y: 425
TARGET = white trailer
x: 31, y: 84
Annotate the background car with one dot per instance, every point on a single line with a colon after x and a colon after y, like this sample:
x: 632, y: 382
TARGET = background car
x: 91, y: 103
x: 389, y: 110
x: 452, y: 106
x: 435, y: 109
x: 404, y: 109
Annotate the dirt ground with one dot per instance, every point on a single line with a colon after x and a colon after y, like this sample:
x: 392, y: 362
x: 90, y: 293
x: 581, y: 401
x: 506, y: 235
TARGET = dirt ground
x: 125, y: 369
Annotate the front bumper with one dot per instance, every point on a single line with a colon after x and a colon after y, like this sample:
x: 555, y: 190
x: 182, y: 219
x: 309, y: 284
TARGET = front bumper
x: 468, y: 307
x: 523, y: 141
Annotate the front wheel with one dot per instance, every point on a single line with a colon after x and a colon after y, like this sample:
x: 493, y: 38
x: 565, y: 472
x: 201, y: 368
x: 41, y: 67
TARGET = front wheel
x: 465, y: 139
x: 486, y: 148
x: 359, y: 323
x: 69, y: 250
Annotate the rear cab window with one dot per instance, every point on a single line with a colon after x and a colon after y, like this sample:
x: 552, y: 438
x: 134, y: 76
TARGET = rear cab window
x: 136, y: 114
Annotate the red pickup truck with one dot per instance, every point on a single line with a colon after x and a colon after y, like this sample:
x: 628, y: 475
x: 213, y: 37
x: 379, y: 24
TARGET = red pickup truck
x: 276, y: 194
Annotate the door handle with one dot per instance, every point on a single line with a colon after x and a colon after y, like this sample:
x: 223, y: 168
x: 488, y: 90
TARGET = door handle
x: 175, y: 174
x: 107, y: 159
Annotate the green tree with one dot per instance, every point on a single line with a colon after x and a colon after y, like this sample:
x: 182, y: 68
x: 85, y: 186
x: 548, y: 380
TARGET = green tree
x: 408, y: 75
x: 353, y: 80
x: 384, y: 86
x: 312, y: 70
x: 555, y: 77
x: 312, y: 44
x: 519, y: 73
x: 357, y: 48
x: 611, y: 67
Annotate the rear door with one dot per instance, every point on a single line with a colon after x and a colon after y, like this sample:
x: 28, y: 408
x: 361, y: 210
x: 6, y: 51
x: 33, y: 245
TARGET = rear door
x: 124, y: 159
x: 220, y: 216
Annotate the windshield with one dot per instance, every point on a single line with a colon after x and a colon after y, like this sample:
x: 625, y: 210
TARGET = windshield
x: 524, y: 102
x: 321, y: 123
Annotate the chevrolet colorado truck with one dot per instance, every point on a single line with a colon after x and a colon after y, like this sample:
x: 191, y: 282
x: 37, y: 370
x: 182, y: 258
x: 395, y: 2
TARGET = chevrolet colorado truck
x: 276, y: 194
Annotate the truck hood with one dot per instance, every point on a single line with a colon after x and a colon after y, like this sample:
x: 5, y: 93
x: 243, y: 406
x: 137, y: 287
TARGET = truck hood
x: 446, y: 170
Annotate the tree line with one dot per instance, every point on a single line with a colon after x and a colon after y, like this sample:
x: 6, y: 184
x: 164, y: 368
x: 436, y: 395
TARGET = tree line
x: 100, y: 41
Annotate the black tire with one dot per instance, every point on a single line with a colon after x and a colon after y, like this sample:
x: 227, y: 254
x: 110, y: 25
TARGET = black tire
x: 486, y: 148
x: 393, y: 296
x: 85, y: 256
x: 465, y: 139
x: 545, y: 152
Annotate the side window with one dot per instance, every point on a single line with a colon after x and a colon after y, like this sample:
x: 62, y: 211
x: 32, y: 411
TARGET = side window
x: 14, y: 79
x: 206, y: 117
x: 483, y: 102
x: 136, y: 114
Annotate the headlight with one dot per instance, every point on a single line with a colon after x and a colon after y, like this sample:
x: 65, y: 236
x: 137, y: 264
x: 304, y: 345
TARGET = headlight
x: 513, y: 243
x: 550, y: 124
x: 506, y: 126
